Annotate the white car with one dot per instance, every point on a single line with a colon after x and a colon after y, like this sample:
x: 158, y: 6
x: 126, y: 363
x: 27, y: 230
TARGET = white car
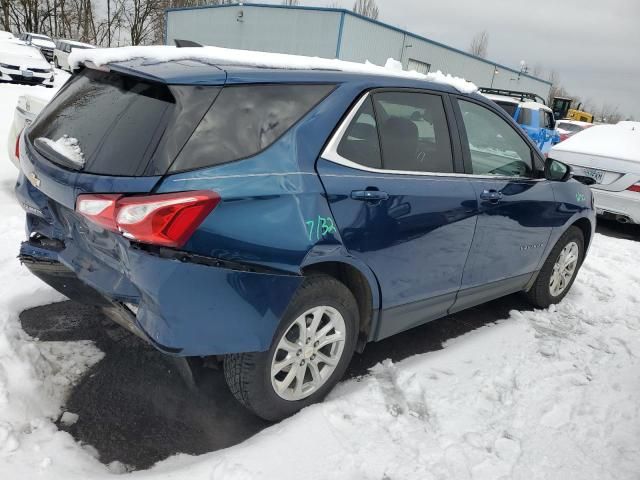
x: 567, y: 128
x: 62, y: 51
x: 610, y: 156
x: 41, y: 42
x: 6, y: 35
x: 20, y: 63
x: 27, y: 109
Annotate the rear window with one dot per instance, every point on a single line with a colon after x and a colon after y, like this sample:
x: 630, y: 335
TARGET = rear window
x: 246, y: 119
x: 112, y: 124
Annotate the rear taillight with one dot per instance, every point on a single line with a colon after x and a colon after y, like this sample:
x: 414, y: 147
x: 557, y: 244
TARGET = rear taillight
x: 635, y: 187
x: 166, y: 219
x: 17, y: 152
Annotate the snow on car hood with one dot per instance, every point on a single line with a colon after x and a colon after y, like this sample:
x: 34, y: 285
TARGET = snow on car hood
x: 228, y: 56
x: 611, y: 141
x: 14, y: 53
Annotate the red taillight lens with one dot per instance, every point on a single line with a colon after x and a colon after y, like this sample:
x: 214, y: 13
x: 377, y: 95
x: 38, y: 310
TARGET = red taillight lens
x: 100, y: 209
x: 166, y: 219
x: 17, y: 152
x: 635, y: 187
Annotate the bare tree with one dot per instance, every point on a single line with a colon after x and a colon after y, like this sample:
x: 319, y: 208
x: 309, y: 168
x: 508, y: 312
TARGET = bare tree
x: 479, y: 44
x: 368, y: 8
x: 291, y: 3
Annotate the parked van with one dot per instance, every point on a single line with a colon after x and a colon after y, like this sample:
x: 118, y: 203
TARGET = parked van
x: 62, y: 51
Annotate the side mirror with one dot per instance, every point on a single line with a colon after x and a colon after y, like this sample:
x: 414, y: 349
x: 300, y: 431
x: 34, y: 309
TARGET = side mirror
x: 556, y: 171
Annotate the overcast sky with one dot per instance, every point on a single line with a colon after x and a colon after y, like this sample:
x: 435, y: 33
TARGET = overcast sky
x: 594, y: 45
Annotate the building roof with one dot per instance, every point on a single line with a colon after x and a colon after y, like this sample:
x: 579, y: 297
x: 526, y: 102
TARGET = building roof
x: 343, y: 11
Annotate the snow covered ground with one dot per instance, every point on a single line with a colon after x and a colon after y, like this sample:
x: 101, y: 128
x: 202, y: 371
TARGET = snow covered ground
x: 549, y: 394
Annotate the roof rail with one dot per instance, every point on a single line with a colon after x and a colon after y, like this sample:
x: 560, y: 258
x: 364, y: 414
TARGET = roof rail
x: 512, y: 93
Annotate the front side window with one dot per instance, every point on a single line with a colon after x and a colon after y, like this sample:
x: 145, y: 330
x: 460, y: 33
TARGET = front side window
x: 495, y: 147
x: 414, y: 135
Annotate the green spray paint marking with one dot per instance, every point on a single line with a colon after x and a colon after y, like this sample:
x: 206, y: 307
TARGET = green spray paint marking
x: 320, y: 228
x: 580, y: 197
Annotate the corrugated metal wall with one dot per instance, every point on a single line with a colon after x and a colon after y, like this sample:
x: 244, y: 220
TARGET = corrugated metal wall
x: 303, y: 32
x: 316, y: 32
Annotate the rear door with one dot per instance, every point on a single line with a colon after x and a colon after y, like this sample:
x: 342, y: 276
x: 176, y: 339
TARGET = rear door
x: 515, y: 207
x: 400, y: 207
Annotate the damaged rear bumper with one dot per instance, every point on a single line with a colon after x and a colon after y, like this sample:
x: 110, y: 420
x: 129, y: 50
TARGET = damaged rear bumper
x: 182, y: 306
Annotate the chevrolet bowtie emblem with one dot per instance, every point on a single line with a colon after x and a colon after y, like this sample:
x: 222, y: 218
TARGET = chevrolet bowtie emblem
x: 33, y: 178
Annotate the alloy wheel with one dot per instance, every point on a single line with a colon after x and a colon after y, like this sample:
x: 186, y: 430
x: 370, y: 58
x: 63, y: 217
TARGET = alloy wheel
x: 308, y: 352
x: 564, y: 269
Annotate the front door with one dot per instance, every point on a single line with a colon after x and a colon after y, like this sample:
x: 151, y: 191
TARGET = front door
x: 399, y: 207
x: 515, y: 207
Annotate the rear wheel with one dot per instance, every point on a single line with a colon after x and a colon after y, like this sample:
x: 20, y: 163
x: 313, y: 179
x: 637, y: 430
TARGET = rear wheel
x: 559, y: 271
x: 311, y: 350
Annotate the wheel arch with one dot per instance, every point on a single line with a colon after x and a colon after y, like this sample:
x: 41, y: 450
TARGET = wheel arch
x: 584, y: 224
x: 362, y: 283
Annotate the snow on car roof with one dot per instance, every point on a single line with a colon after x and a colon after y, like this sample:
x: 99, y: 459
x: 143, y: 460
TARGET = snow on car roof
x: 576, y: 122
x: 228, y: 56
x: 501, y: 98
x: 611, y: 141
x: 74, y: 42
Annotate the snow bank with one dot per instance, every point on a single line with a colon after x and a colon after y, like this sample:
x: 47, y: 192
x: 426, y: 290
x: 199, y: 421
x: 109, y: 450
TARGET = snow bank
x: 619, y: 141
x: 228, y: 56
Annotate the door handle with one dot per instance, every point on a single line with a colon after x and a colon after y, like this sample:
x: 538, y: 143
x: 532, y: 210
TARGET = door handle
x: 493, y: 196
x: 369, y: 195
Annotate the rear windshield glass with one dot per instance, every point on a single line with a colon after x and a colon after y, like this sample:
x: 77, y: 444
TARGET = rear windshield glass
x: 245, y: 120
x: 104, y: 123
x: 509, y: 107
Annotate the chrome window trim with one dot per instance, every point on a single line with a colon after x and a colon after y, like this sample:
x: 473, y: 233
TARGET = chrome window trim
x: 331, y: 153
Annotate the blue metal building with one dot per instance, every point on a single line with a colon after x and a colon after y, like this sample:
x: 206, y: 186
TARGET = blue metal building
x: 336, y: 33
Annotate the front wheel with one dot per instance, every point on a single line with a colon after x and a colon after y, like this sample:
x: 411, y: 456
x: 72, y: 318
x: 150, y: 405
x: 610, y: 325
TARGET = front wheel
x: 310, y: 352
x: 559, y: 271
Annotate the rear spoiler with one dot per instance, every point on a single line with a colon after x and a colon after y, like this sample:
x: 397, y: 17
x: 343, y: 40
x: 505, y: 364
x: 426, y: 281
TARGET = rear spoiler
x: 186, y: 43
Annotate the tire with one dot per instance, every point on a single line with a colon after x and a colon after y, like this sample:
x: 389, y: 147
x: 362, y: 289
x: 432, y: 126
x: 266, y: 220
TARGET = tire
x: 249, y: 375
x: 542, y: 293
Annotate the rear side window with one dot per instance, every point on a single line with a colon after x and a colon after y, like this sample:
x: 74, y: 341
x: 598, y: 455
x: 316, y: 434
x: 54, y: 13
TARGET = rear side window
x: 246, y: 119
x: 413, y: 132
x: 525, y: 117
x: 360, y: 142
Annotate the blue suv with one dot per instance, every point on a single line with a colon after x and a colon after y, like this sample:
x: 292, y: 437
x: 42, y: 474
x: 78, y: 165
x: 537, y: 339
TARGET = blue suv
x: 531, y: 113
x: 280, y: 219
